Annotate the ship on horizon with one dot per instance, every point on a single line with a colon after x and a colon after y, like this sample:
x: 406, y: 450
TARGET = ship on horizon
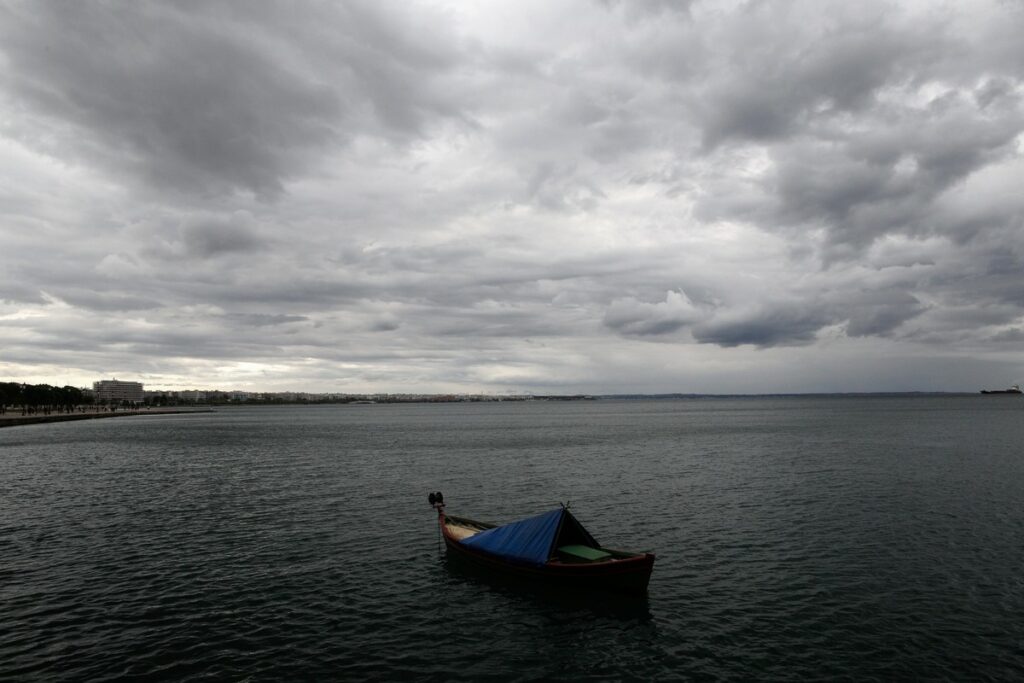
x: 1015, y: 389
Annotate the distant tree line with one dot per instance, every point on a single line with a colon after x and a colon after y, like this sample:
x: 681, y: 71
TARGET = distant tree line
x: 43, y: 399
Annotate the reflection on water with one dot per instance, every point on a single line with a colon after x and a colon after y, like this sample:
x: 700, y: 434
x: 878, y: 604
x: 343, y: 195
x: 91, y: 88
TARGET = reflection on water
x: 520, y: 590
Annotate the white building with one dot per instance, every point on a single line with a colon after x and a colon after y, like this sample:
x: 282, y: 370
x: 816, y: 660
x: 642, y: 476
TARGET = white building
x: 115, y: 391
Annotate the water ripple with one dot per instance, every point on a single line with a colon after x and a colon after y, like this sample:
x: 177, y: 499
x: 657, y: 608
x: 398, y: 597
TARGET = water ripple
x: 863, y: 539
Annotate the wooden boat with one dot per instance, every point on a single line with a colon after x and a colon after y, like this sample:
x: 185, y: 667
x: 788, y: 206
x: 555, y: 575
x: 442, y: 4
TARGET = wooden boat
x: 552, y: 547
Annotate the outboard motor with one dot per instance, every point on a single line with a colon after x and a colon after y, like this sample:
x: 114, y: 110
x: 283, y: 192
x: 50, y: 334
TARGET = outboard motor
x: 436, y: 500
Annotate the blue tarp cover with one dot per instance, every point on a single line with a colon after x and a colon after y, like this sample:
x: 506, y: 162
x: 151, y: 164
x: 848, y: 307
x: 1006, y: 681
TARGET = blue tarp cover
x: 528, y: 540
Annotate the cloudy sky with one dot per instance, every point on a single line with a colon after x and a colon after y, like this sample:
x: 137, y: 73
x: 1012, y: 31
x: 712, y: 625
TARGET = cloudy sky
x: 528, y: 196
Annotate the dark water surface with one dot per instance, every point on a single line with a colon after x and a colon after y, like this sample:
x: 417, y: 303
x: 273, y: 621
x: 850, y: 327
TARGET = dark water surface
x: 797, y: 538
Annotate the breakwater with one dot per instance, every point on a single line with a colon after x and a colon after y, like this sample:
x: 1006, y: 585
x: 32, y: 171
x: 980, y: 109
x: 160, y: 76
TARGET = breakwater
x: 19, y: 420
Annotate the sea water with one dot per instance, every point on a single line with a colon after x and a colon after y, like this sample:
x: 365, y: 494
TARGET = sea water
x: 797, y: 538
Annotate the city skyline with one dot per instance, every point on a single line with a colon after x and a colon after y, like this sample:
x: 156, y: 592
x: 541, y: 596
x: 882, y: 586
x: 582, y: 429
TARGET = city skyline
x: 583, y: 198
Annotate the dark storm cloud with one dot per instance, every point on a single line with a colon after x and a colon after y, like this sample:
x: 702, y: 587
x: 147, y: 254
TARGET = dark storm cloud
x: 864, y: 313
x: 787, y: 78
x: 775, y: 325
x: 385, y: 325
x: 639, y: 8
x: 866, y: 125
x: 986, y: 284
x: 264, y: 320
x: 212, y: 239
x: 879, y: 313
x: 105, y: 301
x: 211, y: 98
x: 184, y: 102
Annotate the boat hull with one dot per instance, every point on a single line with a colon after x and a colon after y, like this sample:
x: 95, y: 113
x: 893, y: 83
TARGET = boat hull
x: 622, y: 575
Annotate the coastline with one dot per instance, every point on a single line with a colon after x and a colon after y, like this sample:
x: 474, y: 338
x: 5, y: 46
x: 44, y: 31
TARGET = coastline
x: 12, y: 420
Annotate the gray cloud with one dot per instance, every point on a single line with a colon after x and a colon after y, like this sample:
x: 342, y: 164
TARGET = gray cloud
x: 103, y: 301
x: 446, y: 197
x: 169, y: 95
x: 264, y: 320
x: 1013, y: 335
x: 633, y: 317
x: 215, y: 98
x: 860, y: 186
x: 13, y: 292
x: 773, y: 325
x: 879, y: 313
x: 212, y: 239
x: 784, y: 85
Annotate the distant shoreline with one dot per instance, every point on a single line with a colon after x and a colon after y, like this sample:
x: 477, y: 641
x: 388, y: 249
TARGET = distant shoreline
x: 15, y: 420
